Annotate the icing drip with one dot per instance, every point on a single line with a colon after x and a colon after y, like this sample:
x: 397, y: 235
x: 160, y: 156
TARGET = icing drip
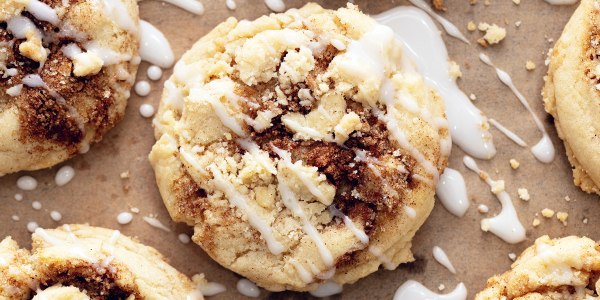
x: 385, y: 261
x: 561, y: 2
x: 117, y: 11
x: 511, y: 135
x: 327, y: 289
x: 192, y: 6
x: 154, y: 46
x: 422, y: 44
x: 543, y: 150
x: 261, y: 156
x: 441, y: 257
x: 275, y: 5
x: 452, y: 192
x: 413, y: 290
x: 248, y: 288
x: 43, y: 12
x: 506, y: 224
x: 450, y: 28
x: 154, y: 222
x: 239, y: 201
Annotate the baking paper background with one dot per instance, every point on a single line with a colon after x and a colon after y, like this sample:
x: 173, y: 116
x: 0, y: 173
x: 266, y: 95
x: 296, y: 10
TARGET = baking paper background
x: 97, y: 194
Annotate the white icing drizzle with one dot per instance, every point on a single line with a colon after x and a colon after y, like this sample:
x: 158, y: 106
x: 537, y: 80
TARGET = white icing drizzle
x: 359, y: 233
x: 227, y: 119
x: 275, y: 5
x: 296, y: 168
x: 452, y: 192
x: 561, y: 2
x: 32, y: 226
x: 509, y: 134
x: 15, y: 90
x: 506, y: 224
x: 55, y: 216
x: 211, y: 288
x: 27, y: 183
x: 247, y: 288
x: 154, y: 46
x: 410, y: 212
x: 239, y: 201
x: 543, y: 150
x: 142, y: 88
x: 117, y: 11
x: 154, y: 73
x: 154, y: 222
x: 19, y: 26
x: 385, y: 261
x: 184, y: 238
x: 327, y: 289
x: 64, y: 175
x: 413, y: 290
x: 192, y: 6
x: 259, y: 155
x: 290, y: 201
x: 305, y: 275
x: 71, y: 50
x: 441, y: 257
x: 231, y: 4
x: 399, y: 136
x: 450, y: 28
x: 146, y: 110
x: 423, y: 45
x: 108, y: 56
x: 42, y: 12
x: 124, y: 218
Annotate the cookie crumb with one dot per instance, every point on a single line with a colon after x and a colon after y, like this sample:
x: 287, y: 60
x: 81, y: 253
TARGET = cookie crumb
x: 517, y: 2
x: 514, y: 163
x: 471, y: 26
x: 567, y: 198
x: 472, y: 97
x: 482, y: 26
x: 473, y: 2
x: 482, y: 208
x: 529, y: 65
x: 547, y: 213
x: 454, y: 70
x: 494, y: 34
x: 498, y: 187
x: 438, y: 5
x: 487, y: 2
x: 523, y: 194
x: 585, y: 220
x: 562, y: 217
x: 518, y: 24
x: 135, y: 210
x: 124, y: 175
x: 485, y: 225
x: 441, y: 287
x: 536, y: 222
x: 512, y: 256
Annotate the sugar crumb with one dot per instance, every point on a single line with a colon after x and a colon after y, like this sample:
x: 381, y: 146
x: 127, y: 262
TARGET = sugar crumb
x: 547, y: 213
x: 585, y: 220
x: 471, y: 26
x: 562, y: 217
x: 514, y: 163
x: 567, y: 198
x: 512, y: 256
x: 472, y: 97
x: 529, y: 65
x: 536, y: 222
x: 523, y: 194
x: 518, y: 24
x: 441, y: 287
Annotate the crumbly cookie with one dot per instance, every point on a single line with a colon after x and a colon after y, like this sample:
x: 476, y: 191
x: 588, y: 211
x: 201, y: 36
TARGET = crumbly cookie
x: 84, y: 262
x: 565, y: 268
x: 572, y: 92
x: 66, y: 68
x: 301, y: 146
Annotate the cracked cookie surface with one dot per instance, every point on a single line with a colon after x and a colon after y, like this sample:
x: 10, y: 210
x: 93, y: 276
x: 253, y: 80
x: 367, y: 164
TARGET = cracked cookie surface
x: 66, y: 68
x: 302, y: 147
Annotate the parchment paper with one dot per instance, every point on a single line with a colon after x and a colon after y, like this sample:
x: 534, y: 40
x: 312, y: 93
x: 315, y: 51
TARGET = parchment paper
x: 97, y: 193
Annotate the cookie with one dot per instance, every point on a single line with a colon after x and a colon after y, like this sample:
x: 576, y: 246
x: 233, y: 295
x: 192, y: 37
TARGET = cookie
x: 66, y: 68
x: 302, y: 147
x: 572, y: 92
x: 565, y: 268
x: 84, y: 262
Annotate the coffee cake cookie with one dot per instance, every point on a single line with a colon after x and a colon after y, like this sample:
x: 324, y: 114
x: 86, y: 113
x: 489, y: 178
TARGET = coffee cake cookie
x: 66, y: 68
x: 566, y: 268
x: 302, y: 147
x: 572, y: 93
x: 84, y: 262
